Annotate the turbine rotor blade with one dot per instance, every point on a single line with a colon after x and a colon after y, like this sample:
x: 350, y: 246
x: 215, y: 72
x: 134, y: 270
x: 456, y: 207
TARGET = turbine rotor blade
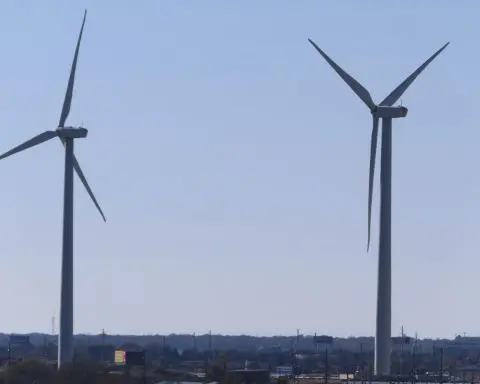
x: 356, y: 87
x: 399, y: 91
x: 39, y: 139
x: 82, y: 178
x: 67, y: 102
x: 373, y: 153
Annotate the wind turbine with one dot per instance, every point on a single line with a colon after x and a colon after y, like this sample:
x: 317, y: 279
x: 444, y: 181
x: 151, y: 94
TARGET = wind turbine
x: 67, y: 135
x: 385, y: 111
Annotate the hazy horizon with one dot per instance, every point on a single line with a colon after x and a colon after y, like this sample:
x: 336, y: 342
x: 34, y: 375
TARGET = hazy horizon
x: 232, y: 165
x: 304, y: 335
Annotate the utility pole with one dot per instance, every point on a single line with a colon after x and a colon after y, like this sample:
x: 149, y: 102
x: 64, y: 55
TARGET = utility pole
x: 414, y: 362
x: 298, y: 340
x: 441, y: 365
x: 9, y: 350
x: 401, y: 354
x: 194, y: 341
x: 45, y: 346
x: 295, y: 354
x: 361, y: 362
x: 210, y: 343
x: 210, y: 346
x: 103, y: 346
x: 326, y: 365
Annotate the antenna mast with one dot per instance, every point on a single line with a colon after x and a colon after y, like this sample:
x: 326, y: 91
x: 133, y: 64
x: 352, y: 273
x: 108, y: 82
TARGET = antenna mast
x: 298, y: 340
x: 210, y: 343
x: 103, y: 345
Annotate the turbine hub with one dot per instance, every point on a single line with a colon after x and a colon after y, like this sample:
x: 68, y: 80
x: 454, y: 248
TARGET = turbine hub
x: 72, y: 133
x: 383, y: 111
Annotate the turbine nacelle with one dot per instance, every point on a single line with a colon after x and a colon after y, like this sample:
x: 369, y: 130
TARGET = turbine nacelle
x: 386, y: 112
x: 72, y: 133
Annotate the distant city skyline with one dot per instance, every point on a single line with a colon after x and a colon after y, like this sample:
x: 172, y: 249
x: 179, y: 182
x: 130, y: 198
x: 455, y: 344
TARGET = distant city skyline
x: 232, y: 211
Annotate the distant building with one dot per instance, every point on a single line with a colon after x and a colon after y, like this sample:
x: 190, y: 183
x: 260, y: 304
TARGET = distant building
x: 101, y: 353
x: 323, y: 343
x: 284, y: 371
x: 402, y: 343
x: 461, y: 345
x: 249, y: 376
x: 466, y: 342
x: 184, y: 382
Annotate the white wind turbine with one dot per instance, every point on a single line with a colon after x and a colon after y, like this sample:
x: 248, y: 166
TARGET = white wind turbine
x: 387, y: 111
x: 66, y: 136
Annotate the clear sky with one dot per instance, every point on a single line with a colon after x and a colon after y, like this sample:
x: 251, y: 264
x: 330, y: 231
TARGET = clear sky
x: 232, y: 165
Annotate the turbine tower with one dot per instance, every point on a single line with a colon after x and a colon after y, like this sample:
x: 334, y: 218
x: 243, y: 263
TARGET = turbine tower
x: 385, y: 111
x: 66, y: 136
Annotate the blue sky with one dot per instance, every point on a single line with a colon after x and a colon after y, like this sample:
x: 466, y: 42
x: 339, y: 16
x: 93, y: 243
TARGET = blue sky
x: 232, y: 165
